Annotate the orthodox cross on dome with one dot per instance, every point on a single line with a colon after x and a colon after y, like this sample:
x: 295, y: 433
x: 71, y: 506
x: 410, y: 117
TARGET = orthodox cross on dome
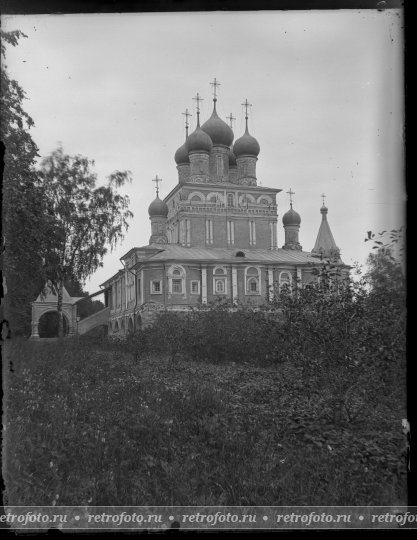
x: 157, y: 180
x: 231, y: 119
x: 290, y: 193
x: 215, y: 84
x: 246, y: 105
x: 323, y: 196
x: 197, y: 99
x: 186, y: 114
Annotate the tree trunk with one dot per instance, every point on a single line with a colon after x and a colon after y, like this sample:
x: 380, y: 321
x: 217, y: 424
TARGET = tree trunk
x: 59, y: 308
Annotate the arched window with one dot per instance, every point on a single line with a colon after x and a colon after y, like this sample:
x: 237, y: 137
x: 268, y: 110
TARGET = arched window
x: 176, y: 280
x: 285, y: 281
x: 253, y: 280
x: 219, y: 165
x: 230, y: 200
x: 219, y: 280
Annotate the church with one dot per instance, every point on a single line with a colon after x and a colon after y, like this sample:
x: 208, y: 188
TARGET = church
x: 214, y: 236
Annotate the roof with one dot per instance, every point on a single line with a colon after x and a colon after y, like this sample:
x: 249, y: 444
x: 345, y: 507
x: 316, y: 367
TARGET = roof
x: 325, y: 242
x: 49, y: 294
x: 176, y: 252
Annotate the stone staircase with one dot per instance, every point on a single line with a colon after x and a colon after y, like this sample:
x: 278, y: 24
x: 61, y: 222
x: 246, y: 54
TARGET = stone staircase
x: 96, y: 319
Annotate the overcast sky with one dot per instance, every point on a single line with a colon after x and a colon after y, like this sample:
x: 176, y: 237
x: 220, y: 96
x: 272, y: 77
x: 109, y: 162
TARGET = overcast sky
x: 326, y: 89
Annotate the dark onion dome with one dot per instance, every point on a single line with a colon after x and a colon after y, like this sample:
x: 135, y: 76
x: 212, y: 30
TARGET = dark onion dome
x: 158, y: 208
x: 181, y: 155
x: 291, y: 218
x: 232, y: 158
x: 218, y: 131
x: 198, y: 141
x: 246, y: 145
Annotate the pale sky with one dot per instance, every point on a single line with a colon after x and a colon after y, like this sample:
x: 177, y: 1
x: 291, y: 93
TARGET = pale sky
x: 326, y: 89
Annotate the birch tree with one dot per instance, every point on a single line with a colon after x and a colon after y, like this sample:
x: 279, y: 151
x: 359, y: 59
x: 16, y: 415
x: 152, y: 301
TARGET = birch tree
x: 87, y: 220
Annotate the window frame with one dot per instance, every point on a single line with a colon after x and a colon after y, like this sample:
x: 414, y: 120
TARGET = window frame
x: 249, y: 277
x: 220, y: 277
x: 153, y: 282
x: 175, y: 273
x: 195, y: 281
x: 282, y: 282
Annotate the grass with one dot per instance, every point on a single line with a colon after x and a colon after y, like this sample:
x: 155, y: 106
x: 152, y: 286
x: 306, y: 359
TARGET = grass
x: 88, y: 424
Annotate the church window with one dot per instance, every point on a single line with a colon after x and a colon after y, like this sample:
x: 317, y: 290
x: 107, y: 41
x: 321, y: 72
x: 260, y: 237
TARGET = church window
x: 230, y: 232
x: 209, y: 231
x: 219, y: 280
x: 285, y: 281
x: 252, y: 233
x: 176, y: 280
x: 177, y: 286
x: 219, y: 164
x: 230, y: 200
x: 252, y: 279
x: 220, y: 286
x: 195, y: 287
x: 156, y: 286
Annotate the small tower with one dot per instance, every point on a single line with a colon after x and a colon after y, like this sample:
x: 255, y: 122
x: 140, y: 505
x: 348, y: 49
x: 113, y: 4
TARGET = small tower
x: 246, y: 150
x: 291, y: 221
x: 221, y: 136
x: 325, y: 246
x: 199, y: 146
x: 181, y: 155
x: 158, y: 213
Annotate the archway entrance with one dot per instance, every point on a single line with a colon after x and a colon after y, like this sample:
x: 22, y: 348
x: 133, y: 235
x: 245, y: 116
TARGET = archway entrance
x: 48, y: 325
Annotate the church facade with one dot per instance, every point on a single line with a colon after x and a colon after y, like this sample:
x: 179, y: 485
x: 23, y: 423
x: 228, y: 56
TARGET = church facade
x: 214, y: 236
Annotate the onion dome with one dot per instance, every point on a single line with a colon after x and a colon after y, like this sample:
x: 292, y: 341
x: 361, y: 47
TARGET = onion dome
x: 291, y: 218
x: 232, y: 158
x: 218, y: 131
x: 198, y: 141
x: 181, y: 155
x: 246, y: 145
x: 158, y: 208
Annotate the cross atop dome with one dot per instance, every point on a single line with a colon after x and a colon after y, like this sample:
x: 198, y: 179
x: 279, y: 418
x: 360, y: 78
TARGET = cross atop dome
x: 157, y: 180
x: 246, y: 104
x: 186, y: 114
x: 197, y: 99
x: 323, y: 196
x: 231, y: 119
x: 215, y: 84
x: 290, y: 193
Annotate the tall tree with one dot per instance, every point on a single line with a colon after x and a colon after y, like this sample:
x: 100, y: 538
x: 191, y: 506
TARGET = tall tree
x: 25, y: 218
x: 87, y: 219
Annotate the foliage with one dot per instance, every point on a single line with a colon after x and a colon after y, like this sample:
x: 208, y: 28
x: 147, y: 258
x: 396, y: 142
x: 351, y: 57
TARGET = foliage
x: 87, y: 219
x: 111, y: 429
x: 25, y: 217
x: 300, y: 403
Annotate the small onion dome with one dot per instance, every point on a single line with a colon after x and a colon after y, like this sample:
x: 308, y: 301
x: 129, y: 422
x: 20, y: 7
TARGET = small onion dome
x: 291, y: 218
x: 198, y: 141
x: 158, y: 208
x: 232, y: 158
x: 324, y: 209
x: 181, y: 155
x: 218, y: 131
x: 246, y: 145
